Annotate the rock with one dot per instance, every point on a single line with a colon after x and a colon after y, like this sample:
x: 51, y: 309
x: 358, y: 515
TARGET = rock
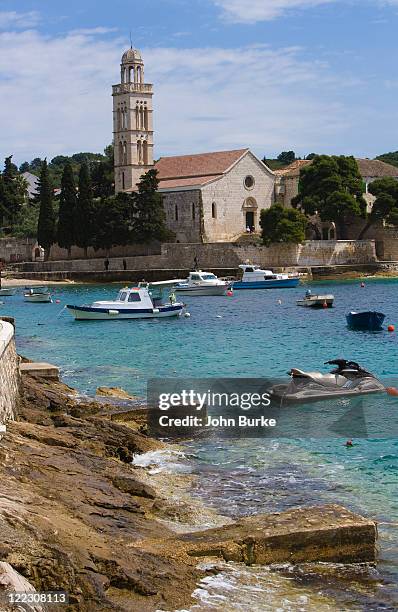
x: 12, y: 582
x: 114, y: 392
x: 134, y: 487
x: 328, y: 533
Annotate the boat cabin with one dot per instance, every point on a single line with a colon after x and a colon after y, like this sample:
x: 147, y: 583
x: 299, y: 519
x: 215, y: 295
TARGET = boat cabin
x: 198, y: 276
x: 135, y: 297
x: 255, y: 273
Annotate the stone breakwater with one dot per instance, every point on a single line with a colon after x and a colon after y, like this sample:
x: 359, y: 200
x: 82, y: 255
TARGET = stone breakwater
x: 9, y: 374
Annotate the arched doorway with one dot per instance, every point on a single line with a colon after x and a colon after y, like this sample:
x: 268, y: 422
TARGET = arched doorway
x: 250, y: 214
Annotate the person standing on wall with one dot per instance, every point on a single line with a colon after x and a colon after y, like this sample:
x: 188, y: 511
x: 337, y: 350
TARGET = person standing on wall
x: 106, y: 264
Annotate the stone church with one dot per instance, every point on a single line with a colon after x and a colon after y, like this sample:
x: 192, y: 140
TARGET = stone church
x: 208, y: 197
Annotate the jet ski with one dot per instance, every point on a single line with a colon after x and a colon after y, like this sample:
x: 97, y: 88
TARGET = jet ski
x: 346, y: 379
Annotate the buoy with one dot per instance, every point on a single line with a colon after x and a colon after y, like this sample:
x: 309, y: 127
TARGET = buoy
x: 279, y: 302
x: 392, y: 391
x: 325, y: 304
x: 230, y: 293
x: 391, y: 328
x: 362, y: 285
x: 57, y: 301
x: 218, y: 317
x: 349, y: 443
x: 187, y: 315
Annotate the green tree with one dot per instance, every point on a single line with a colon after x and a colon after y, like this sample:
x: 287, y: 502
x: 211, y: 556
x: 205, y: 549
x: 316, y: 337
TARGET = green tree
x: 83, y: 217
x: 149, y: 222
x: 46, y: 221
x: 12, y: 193
x: 333, y: 188
x: 281, y: 224
x: 389, y: 158
x: 24, y: 167
x: 286, y: 157
x: 113, y: 216
x: 385, y: 207
x: 102, y: 175
x: 67, y: 208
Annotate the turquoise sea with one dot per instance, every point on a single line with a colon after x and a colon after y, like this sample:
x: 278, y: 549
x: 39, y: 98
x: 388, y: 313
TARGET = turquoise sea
x: 251, y: 335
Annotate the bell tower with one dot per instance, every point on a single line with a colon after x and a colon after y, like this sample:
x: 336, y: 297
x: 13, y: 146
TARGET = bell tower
x: 132, y: 123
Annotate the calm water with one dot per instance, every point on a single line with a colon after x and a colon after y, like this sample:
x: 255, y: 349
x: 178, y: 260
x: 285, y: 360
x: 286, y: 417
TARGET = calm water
x: 249, y: 335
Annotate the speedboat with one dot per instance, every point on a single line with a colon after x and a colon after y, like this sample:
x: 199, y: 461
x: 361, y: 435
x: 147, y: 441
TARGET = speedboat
x: 369, y: 320
x: 37, y: 288
x: 33, y: 295
x: 255, y: 278
x: 202, y: 283
x: 316, y: 301
x: 8, y: 291
x: 134, y: 303
x: 348, y: 378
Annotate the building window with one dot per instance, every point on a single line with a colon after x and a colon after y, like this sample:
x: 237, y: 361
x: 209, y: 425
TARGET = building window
x: 176, y: 212
x: 214, y: 210
x: 193, y: 212
x: 249, y: 182
x: 123, y: 181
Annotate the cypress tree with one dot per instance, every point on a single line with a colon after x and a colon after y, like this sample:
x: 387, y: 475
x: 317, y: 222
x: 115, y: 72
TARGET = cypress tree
x: 13, y: 192
x: 83, y: 222
x: 149, y: 221
x: 46, y: 223
x: 67, y: 209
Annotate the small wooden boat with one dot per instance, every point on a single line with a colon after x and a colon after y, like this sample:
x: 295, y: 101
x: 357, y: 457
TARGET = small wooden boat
x: 8, y: 291
x: 317, y: 301
x: 369, y: 320
x: 32, y: 295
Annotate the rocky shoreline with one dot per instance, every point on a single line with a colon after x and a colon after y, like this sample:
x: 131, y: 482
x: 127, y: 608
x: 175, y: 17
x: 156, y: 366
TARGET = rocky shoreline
x: 75, y: 514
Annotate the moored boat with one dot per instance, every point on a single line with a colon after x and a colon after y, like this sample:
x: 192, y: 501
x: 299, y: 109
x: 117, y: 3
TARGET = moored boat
x: 255, y: 278
x: 202, y: 283
x: 316, y: 301
x: 370, y: 320
x: 43, y: 297
x: 134, y: 303
x: 8, y: 291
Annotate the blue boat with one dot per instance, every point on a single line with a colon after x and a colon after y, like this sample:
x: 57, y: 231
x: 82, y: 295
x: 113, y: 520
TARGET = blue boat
x: 256, y: 278
x: 369, y: 320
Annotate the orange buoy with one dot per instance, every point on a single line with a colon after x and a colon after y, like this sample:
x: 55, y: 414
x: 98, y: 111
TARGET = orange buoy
x: 392, y: 391
x: 391, y: 328
x: 230, y: 293
x: 57, y: 301
x: 325, y: 304
x: 349, y: 443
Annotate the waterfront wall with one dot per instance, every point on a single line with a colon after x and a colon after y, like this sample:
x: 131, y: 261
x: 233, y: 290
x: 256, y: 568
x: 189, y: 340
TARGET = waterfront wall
x: 175, y: 256
x: 9, y: 373
x: 16, y: 249
x: 129, y: 250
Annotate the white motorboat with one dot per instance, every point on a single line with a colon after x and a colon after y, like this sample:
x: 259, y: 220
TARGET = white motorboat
x: 37, y: 288
x: 202, y: 283
x: 43, y: 297
x: 256, y: 278
x: 8, y: 291
x: 316, y: 301
x: 134, y: 303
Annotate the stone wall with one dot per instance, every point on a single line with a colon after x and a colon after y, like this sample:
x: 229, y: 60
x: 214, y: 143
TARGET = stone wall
x: 129, y: 250
x: 16, y: 249
x: 176, y: 256
x: 9, y: 373
x: 184, y: 214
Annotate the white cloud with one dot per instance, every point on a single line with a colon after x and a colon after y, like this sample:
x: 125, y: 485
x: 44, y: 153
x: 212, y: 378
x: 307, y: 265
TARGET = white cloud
x: 251, y: 11
x: 18, y: 20
x: 57, y: 98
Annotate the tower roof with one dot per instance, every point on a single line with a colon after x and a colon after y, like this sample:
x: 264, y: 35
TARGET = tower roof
x: 131, y: 56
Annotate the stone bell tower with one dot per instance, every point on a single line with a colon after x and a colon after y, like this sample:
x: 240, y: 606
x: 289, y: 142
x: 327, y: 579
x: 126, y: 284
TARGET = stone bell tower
x: 132, y: 123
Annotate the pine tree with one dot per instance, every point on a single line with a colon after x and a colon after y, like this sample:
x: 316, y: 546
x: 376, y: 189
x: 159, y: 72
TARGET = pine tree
x: 83, y: 222
x: 67, y: 208
x: 46, y: 223
x: 13, y: 192
x: 149, y: 221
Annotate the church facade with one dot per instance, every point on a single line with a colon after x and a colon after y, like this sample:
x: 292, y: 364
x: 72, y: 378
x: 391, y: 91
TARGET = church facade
x: 207, y: 197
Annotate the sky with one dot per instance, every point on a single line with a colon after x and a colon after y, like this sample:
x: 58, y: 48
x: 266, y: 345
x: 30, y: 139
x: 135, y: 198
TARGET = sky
x: 272, y: 75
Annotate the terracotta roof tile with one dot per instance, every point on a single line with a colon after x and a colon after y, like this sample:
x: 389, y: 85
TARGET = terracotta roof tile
x: 376, y: 168
x: 294, y: 168
x: 203, y: 167
x: 187, y: 182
